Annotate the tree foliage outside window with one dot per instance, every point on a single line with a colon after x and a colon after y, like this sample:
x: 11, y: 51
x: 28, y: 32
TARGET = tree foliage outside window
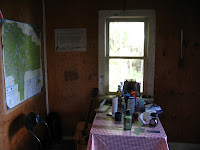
x: 126, y: 39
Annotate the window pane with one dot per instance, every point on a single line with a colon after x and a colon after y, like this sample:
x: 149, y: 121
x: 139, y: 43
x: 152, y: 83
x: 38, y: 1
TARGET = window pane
x: 122, y: 69
x: 126, y: 39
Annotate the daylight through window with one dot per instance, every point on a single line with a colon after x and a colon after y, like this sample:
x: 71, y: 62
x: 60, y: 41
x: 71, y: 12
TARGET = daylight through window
x: 126, y: 52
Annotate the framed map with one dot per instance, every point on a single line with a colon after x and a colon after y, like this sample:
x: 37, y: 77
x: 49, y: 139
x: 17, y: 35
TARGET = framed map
x: 22, y: 62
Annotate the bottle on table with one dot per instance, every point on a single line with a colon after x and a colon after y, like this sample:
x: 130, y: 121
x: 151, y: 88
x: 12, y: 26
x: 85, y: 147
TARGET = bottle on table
x: 123, y: 105
x: 131, y: 104
x: 133, y: 93
x: 119, y: 94
x: 126, y: 96
x: 154, y: 120
x: 127, y: 120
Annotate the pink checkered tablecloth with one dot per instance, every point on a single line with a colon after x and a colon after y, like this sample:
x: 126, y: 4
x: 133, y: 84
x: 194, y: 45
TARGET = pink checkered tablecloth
x: 107, y: 134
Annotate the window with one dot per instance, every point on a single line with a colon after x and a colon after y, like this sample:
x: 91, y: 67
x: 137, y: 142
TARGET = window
x: 126, y: 49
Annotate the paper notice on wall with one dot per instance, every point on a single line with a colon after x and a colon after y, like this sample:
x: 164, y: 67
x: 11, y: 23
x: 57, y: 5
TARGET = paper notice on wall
x: 73, y: 39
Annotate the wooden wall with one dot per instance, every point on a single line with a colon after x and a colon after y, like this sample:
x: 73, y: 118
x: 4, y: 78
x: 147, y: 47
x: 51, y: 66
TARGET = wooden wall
x: 176, y: 89
x: 71, y: 97
x: 13, y: 134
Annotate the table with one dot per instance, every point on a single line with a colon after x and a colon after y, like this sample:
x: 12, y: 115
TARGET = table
x: 107, y: 134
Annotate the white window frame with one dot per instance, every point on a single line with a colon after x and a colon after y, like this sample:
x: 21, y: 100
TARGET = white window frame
x: 149, y: 69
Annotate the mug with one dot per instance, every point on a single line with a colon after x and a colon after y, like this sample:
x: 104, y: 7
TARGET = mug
x: 140, y: 104
x: 145, y: 117
x: 118, y: 116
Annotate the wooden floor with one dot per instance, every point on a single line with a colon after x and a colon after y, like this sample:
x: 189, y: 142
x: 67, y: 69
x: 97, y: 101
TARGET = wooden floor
x: 64, y: 145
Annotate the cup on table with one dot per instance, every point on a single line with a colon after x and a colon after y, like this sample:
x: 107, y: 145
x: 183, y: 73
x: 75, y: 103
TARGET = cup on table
x: 140, y: 104
x: 145, y: 117
x: 118, y: 116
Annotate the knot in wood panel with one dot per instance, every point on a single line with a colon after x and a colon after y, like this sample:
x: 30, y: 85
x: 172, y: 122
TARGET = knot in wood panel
x: 70, y: 75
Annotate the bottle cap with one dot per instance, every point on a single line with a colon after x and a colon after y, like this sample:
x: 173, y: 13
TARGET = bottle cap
x: 131, y: 97
x: 127, y: 95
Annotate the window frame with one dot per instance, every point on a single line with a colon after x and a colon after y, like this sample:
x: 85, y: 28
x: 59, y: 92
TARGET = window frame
x: 105, y: 16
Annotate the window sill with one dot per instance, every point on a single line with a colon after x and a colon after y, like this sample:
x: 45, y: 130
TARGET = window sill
x: 109, y: 99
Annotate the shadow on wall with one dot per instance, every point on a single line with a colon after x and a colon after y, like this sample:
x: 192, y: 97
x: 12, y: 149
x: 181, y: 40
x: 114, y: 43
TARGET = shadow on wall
x: 16, y: 125
x: 19, y: 138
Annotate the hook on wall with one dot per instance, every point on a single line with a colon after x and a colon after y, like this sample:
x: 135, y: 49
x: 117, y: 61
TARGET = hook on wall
x: 181, y: 60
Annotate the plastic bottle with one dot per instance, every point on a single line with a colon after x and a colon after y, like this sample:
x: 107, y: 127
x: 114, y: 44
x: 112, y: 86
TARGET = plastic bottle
x: 131, y: 104
x: 127, y: 120
x: 119, y: 93
x: 123, y: 105
x: 133, y: 93
x: 127, y: 95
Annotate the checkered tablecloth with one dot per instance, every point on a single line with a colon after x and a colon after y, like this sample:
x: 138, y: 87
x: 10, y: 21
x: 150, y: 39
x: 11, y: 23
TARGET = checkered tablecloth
x: 107, y: 134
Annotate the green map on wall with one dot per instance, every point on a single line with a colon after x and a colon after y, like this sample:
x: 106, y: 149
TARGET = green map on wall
x: 22, y: 61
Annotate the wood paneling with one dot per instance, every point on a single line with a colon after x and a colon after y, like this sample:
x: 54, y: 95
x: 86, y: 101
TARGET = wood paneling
x: 72, y: 75
x: 177, y: 89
